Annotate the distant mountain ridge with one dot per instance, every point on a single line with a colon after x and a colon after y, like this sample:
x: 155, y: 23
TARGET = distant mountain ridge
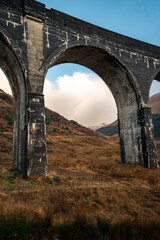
x: 154, y: 102
x: 94, y: 128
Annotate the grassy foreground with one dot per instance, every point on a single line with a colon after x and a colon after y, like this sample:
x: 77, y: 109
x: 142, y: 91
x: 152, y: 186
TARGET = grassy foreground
x: 59, y: 208
x: 36, y: 227
x: 88, y: 193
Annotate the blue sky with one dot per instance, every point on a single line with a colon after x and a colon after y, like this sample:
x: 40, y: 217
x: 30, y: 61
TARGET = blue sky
x: 135, y: 18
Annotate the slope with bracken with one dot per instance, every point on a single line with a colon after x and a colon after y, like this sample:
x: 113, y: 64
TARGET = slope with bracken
x: 85, y: 177
x: 56, y: 127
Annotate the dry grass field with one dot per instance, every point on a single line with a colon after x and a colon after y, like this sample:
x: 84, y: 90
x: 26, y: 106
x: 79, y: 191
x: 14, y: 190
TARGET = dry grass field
x: 86, y: 179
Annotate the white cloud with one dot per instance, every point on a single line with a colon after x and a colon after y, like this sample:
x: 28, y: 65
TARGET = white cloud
x: 4, y: 84
x: 82, y: 97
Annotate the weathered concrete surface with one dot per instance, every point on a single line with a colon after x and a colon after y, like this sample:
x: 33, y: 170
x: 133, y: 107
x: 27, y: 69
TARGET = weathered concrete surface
x: 33, y: 39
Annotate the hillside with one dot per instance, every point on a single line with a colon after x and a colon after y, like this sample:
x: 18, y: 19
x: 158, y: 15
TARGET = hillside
x: 56, y: 127
x: 112, y: 128
x: 154, y: 102
x: 86, y: 179
x: 52, y: 118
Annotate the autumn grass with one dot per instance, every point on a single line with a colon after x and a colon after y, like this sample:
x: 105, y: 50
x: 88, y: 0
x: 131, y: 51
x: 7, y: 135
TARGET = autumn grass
x: 94, y: 185
x: 38, y: 227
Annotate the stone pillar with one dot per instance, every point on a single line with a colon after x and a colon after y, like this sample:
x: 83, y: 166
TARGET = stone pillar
x: 34, y: 38
x: 37, y: 158
x: 148, y: 145
x: 130, y: 135
x: 16, y: 147
x: 136, y: 136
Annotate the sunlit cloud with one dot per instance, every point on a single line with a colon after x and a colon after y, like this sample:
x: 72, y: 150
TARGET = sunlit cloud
x: 82, y: 97
x: 4, y: 84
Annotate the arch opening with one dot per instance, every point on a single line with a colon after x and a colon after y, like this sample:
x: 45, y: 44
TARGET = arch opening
x: 78, y: 93
x: 154, y: 102
x: 6, y: 122
x: 87, y: 104
x: 120, y: 83
x: 11, y: 67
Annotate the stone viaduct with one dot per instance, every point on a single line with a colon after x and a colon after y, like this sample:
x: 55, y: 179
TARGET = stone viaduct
x: 34, y: 39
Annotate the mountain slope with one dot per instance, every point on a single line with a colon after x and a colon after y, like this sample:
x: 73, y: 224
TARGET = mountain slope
x: 58, y: 129
x: 154, y: 101
x: 53, y: 119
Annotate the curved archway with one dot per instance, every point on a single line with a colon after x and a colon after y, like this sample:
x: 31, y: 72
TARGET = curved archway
x: 10, y: 65
x: 77, y: 93
x: 121, y: 84
x: 154, y: 103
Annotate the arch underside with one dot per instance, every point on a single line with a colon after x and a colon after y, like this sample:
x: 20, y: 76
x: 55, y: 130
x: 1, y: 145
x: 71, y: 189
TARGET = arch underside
x: 12, y: 69
x: 120, y: 83
x: 157, y: 77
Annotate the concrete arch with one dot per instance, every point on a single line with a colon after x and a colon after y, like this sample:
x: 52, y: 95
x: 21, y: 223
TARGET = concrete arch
x: 10, y: 64
x: 120, y: 82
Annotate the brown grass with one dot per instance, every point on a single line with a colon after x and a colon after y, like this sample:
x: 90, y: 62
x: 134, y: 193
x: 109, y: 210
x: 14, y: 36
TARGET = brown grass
x: 88, y: 166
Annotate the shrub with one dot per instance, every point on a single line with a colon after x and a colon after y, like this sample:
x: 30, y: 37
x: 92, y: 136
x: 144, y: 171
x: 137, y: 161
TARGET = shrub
x: 74, y: 122
x: 48, y: 121
x: 55, y: 130
x: 9, y: 119
x: 48, y: 180
x: 1, y: 130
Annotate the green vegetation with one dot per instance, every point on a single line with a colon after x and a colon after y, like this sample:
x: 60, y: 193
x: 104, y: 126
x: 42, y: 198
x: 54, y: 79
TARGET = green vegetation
x: 2, y: 130
x: 18, y: 227
x: 88, y: 199
x: 74, y: 122
x: 48, y: 121
x: 9, y: 119
x: 32, y: 181
x: 54, y: 130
